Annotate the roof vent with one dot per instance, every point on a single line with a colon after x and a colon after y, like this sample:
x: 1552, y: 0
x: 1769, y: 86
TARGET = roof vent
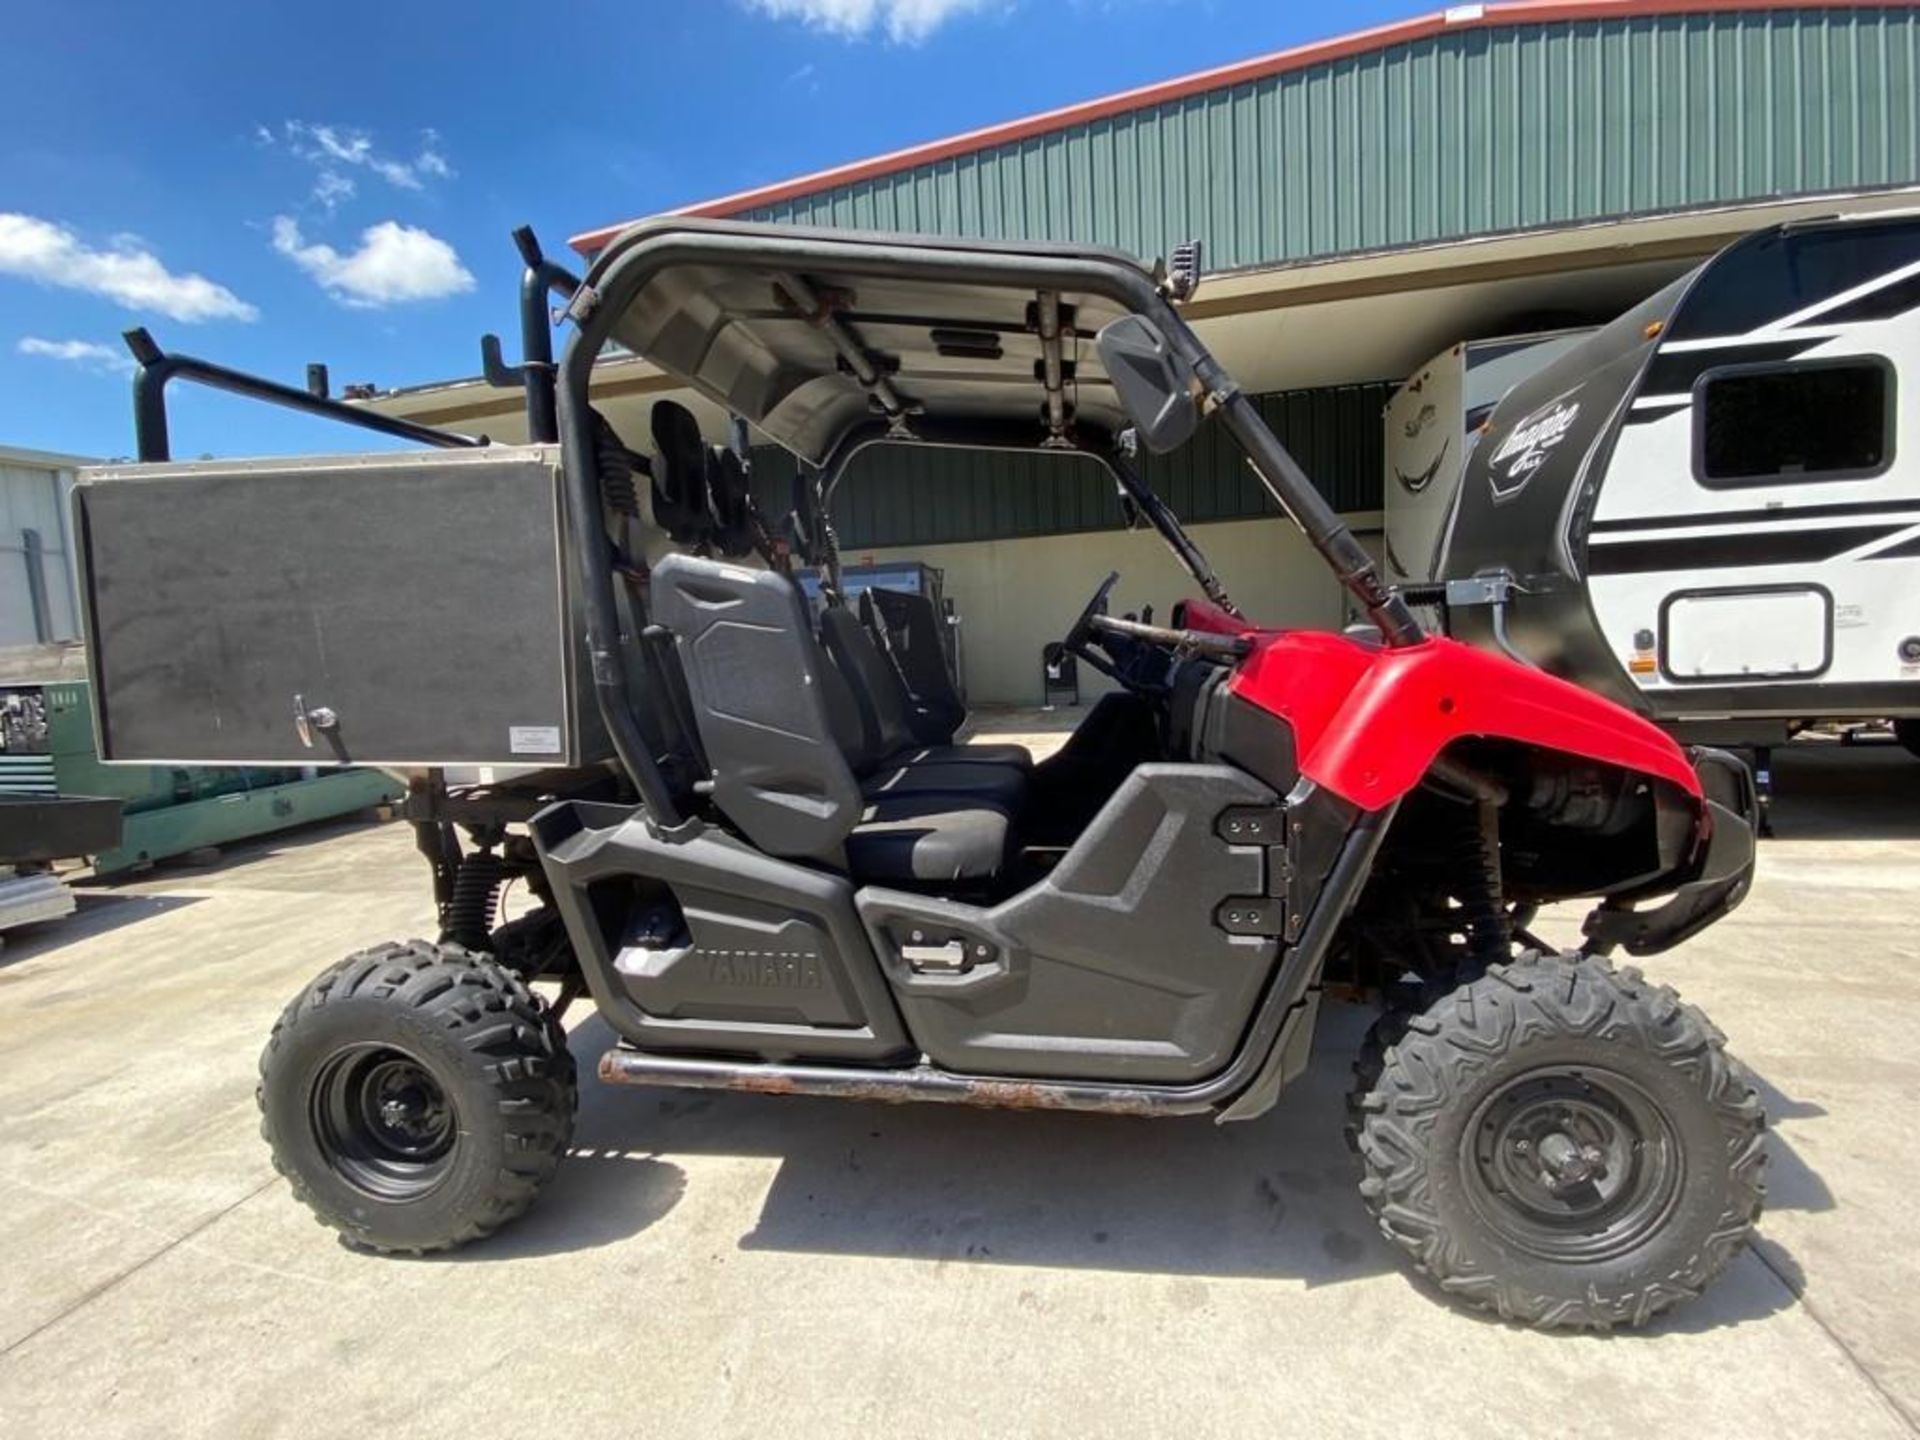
x: 957, y: 344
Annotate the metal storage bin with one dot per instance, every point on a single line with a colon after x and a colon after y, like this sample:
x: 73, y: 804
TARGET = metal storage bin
x: 402, y: 610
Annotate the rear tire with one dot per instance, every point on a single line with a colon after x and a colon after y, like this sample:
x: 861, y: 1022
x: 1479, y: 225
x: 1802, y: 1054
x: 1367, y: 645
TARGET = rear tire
x: 1563, y: 1144
x: 416, y: 1097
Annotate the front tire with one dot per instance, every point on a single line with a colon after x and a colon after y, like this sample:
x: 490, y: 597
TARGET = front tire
x: 416, y: 1097
x: 1563, y: 1144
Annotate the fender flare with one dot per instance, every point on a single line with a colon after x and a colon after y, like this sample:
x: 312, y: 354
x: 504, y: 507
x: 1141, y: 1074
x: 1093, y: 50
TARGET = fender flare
x: 1369, y: 721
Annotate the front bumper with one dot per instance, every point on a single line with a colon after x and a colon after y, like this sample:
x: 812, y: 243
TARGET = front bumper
x: 1717, y: 880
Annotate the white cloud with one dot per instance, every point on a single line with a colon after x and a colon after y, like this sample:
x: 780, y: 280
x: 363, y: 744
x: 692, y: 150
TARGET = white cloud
x: 127, y: 271
x: 332, y: 147
x: 395, y: 263
x: 88, y: 354
x: 907, y: 21
x: 331, y: 187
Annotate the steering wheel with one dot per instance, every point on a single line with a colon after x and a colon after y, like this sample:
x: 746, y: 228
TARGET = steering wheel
x: 1078, y: 641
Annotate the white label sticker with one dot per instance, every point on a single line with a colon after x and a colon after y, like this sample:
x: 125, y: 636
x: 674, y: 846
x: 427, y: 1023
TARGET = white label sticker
x: 1849, y: 617
x: 533, y: 739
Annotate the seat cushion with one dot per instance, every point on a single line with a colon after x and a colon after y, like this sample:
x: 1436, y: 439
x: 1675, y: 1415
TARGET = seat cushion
x: 927, y: 839
x: 997, y: 785
x: 1016, y: 756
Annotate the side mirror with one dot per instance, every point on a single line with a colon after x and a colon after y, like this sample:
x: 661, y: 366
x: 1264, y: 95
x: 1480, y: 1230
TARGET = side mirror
x: 1154, y: 384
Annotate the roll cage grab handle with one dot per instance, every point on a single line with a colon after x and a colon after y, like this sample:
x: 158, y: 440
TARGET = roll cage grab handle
x: 595, y: 309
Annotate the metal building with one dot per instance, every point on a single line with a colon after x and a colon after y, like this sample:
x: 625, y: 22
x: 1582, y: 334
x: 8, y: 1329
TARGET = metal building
x: 36, y: 565
x: 1364, y: 202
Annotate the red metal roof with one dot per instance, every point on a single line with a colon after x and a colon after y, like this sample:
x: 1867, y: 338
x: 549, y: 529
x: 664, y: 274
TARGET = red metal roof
x: 1318, y: 52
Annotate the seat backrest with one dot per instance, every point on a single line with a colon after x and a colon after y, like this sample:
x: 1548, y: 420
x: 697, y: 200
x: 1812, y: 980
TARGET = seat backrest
x: 908, y: 618
x: 682, y: 503
x: 731, y: 493
x: 885, y: 716
x: 656, y: 690
x: 757, y: 684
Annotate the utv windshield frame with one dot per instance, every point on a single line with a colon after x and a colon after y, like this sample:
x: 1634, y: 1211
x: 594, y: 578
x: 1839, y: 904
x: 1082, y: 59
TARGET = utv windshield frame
x: 786, y: 259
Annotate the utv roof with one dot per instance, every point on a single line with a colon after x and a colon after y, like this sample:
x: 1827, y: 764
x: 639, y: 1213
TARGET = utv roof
x: 827, y: 340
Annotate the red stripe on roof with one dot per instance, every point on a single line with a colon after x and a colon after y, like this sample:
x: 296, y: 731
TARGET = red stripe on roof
x: 1317, y: 52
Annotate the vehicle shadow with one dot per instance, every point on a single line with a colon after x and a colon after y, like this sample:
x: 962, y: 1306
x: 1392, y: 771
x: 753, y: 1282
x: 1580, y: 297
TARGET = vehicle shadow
x: 1824, y: 790
x: 96, y: 913
x: 1274, y: 1198
x: 601, y: 1195
x: 307, y: 860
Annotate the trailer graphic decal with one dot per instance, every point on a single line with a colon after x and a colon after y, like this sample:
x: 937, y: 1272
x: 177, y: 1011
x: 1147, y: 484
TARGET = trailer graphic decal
x: 1905, y: 511
x: 1527, y: 446
x: 1772, y: 546
x: 1414, y: 484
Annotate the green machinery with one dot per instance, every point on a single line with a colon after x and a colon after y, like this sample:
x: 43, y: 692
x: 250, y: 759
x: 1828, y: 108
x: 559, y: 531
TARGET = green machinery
x: 47, y: 749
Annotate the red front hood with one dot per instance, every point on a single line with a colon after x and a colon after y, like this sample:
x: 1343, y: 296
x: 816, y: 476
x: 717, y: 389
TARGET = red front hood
x: 1368, y: 721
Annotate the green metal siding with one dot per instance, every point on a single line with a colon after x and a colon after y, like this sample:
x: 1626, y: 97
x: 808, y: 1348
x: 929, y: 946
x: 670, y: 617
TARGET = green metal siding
x: 1474, y: 131
x: 908, y: 495
x: 1471, y: 132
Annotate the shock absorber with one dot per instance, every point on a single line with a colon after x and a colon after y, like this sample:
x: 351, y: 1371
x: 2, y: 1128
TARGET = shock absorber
x: 1481, y: 892
x: 476, y: 889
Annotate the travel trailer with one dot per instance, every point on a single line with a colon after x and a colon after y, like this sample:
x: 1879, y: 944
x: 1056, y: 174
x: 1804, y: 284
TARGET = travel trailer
x: 1703, y: 509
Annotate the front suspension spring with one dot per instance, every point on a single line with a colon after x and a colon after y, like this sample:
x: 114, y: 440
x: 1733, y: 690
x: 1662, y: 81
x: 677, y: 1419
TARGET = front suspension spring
x: 476, y: 889
x: 1475, y: 856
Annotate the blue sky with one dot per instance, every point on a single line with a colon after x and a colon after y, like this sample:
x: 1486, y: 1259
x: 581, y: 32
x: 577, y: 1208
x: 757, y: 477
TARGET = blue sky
x: 266, y: 184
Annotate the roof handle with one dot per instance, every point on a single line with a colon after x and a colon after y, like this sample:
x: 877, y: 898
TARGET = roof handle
x: 817, y: 309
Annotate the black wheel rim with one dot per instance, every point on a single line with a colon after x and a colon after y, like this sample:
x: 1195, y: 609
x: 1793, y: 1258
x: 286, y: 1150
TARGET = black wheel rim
x: 1574, y: 1164
x: 383, y: 1123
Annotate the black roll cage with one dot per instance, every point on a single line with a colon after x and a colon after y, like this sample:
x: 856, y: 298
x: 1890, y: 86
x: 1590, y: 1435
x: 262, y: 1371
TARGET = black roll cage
x: 559, y: 410
x: 598, y: 305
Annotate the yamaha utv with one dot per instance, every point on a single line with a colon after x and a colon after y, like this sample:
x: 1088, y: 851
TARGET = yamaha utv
x: 762, y: 854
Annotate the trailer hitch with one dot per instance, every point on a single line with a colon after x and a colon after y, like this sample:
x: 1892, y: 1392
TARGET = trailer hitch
x: 1495, y: 591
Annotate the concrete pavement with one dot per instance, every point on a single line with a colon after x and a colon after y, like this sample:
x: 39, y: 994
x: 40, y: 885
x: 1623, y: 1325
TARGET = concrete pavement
x: 722, y: 1265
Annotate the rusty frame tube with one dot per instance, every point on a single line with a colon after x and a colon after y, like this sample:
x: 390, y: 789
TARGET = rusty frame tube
x: 923, y: 1083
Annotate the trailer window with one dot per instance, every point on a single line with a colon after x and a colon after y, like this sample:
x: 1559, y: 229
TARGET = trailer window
x: 1821, y: 420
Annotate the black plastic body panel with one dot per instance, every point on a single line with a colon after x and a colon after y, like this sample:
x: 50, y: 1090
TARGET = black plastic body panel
x: 424, y: 600
x: 773, y: 963
x: 1111, y: 968
x: 756, y: 680
x: 1258, y: 741
x: 1720, y: 876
